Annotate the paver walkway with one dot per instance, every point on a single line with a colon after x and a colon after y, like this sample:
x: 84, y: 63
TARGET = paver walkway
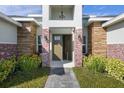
x: 62, y: 78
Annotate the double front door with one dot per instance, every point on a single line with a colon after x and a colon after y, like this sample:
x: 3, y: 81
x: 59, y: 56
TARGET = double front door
x: 62, y: 47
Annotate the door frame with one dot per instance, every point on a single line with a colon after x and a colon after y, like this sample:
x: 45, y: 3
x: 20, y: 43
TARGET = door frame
x: 62, y: 46
x: 57, y: 30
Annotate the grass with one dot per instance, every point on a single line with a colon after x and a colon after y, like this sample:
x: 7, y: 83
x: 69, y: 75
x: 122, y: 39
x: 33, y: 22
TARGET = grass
x: 34, y: 79
x: 88, y: 79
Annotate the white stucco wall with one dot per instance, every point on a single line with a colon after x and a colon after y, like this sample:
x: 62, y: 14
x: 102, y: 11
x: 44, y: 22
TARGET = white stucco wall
x: 115, y: 33
x: 55, y: 12
x: 76, y: 22
x: 8, y: 32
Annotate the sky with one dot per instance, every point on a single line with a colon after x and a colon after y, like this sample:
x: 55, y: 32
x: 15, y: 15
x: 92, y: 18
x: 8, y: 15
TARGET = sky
x: 99, y: 10
x: 103, y: 10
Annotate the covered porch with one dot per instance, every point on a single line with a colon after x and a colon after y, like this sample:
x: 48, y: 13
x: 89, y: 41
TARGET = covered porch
x: 61, y: 47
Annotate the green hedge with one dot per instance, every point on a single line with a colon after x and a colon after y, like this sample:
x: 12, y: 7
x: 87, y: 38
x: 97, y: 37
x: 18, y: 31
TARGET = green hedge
x: 7, y: 66
x: 112, y: 66
x: 28, y: 63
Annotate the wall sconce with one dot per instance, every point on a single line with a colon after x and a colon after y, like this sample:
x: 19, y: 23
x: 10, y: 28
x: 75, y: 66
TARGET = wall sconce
x: 80, y: 38
x: 73, y: 30
x: 46, y: 38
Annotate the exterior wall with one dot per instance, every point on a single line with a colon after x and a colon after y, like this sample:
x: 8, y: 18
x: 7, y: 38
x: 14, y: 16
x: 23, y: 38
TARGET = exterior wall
x: 97, y: 39
x: 115, y: 34
x: 8, y: 32
x: 8, y: 39
x: 8, y: 50
x: 115, y: 51
x: 75, y: 23
x: 27, y: 38
x: 115, y: 41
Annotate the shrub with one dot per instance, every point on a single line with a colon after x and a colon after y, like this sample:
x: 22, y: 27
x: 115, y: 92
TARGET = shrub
x: 7, y: 66
x: 112, y: 66
x: 28, y: 63
x: 95, y: 63
x: 115, y: 68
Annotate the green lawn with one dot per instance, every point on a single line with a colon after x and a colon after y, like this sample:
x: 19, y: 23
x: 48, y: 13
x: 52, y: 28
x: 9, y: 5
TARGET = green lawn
x: 88, y: 79
x: 34, y: 79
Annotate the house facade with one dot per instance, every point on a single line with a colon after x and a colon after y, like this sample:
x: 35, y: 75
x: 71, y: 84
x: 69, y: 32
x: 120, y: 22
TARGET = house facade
x: 115, y: 38
x: 8, y: 36
x: 62, y: 31
x: 62, y: 36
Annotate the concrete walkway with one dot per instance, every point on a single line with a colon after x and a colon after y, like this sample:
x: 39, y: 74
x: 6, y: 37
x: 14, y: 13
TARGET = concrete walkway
x: 62, y: 78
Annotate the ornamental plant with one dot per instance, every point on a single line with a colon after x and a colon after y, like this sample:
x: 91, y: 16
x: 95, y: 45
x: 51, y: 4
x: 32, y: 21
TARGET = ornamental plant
x: 7, y: 66
x: 28, y: 63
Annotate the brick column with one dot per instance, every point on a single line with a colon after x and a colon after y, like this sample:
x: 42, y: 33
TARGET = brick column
x: 46, y: 47
x: 97, y: 39
x: 26, y: 38
x: 78, y: 47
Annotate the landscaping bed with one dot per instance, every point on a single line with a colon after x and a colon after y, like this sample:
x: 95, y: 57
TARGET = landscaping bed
x: 101, y: 72
x: 26, y: 71
x: 34, y: 79
x: 88, y: 79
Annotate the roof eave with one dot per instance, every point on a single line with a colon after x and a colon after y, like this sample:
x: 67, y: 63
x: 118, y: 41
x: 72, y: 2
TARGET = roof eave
x: 97, y: 20
x: 114, y: 20
x: 26, y: 20
x: 10, y: 20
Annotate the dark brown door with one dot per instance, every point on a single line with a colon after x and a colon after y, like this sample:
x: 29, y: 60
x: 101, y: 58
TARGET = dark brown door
x: 57, y: 47
x: 67, y: 47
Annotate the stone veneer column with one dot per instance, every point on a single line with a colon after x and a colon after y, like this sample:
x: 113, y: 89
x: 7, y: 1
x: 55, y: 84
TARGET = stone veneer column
x: 26, y: 38
x: 8, y: 50
x: 46, y: 47
x: 97, y: 39
x: 78, y: 47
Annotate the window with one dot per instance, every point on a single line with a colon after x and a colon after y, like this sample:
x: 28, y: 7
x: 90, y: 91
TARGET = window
x: 56, y: 38
x: 39, y: 44
x: 84, y: 46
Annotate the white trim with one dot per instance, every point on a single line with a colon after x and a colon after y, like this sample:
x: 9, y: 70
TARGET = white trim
x: 98, y: 19
x: 35, y: 15
x: 26, y: 19
x: 114, y: 20
x: 8, y: 43
x: 9, y: 19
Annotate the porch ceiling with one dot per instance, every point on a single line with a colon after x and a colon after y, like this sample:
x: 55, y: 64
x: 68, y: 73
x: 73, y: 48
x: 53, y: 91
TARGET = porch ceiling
x: 61, y: 30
